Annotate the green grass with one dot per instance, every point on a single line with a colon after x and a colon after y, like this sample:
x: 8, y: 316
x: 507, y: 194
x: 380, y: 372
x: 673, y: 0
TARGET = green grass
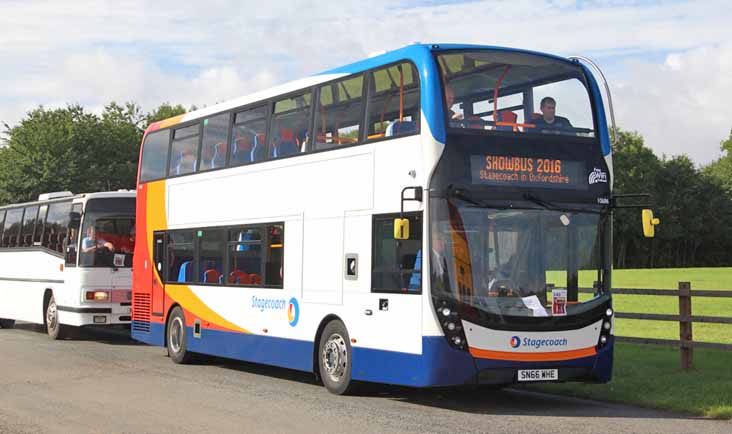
x: 650, y: 376
x: 667, y: 278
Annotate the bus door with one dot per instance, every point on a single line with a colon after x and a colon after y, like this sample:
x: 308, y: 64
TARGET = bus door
x: 158, y: 289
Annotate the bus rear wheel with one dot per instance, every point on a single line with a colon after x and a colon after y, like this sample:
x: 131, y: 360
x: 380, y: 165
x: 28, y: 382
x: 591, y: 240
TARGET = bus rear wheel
x: 335, y: 358
x: 7, y: 323
x: 177, y: 339
x: 55, y: 329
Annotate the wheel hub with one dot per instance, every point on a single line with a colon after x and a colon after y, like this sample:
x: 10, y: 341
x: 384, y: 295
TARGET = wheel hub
x: 51, y: 314
x: 176, y: 335
x: 335, y: 357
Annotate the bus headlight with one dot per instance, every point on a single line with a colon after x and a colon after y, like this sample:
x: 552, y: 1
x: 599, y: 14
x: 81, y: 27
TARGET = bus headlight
x: 446, y: 311
x: 609, y: 312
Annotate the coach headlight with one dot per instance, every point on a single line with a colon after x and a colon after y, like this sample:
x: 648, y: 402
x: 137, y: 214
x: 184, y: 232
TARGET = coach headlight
x: 97, y: 296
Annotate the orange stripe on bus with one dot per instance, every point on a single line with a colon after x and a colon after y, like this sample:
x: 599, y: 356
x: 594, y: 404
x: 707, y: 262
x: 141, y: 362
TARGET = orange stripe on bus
x: 533, y: 357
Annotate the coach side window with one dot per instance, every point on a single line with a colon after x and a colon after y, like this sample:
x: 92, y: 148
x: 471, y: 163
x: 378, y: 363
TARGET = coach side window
x: 38, y: 233
x: 155, y: 156
x: 338, y: 113
x: 213, y: 146
x: 393, y: 107
x: 289, y: 132
x: 248, y: 138
x: 180, y: 256
x: 57, y: 222
x: 13, y: 220
x: 2, y: 226
x: 29, y: 221
x: 397, y: 264
x: 184, y: 152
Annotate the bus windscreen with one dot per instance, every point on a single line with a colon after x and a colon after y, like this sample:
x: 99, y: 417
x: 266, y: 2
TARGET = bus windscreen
x: 108, y: 233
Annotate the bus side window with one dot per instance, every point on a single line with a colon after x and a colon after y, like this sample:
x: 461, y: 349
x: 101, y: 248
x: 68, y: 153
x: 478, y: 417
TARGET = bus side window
x: 154, y: 156
x: 338, y: 114
x: 393, y: 107
x: 213, y: 147
x: 184, y: 152
x: 289, y: 130
x: 245, y: 257
x: 248, y: 138
x: 180, y: 257
x: 210, y: 256
x: 397, y: 264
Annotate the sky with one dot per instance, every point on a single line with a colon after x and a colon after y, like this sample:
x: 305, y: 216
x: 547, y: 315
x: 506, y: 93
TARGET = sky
x: 668, y: 63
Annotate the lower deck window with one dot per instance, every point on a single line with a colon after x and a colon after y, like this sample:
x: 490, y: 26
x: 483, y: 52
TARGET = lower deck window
x: 397, y: 264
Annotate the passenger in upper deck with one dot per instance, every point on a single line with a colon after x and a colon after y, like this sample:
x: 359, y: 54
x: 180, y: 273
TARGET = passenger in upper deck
x: 548, y: 122
x: 450, y: 99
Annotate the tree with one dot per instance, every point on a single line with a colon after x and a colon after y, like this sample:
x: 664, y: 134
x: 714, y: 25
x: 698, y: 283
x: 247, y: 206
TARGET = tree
x: 721, y: 170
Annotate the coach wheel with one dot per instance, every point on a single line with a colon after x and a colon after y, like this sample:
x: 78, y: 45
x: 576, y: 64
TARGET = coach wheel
x: 177, y: 337
x: 335, y: 358
x: 54, y: 329
x: 7, y: 323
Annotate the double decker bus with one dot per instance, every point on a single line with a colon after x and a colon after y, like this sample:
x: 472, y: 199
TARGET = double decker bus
x: 424, y: 217
x: 65, y: 261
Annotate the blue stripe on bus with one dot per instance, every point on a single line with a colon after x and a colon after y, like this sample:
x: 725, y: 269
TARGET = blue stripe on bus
x: 439, y: 365
x: 600, y: 107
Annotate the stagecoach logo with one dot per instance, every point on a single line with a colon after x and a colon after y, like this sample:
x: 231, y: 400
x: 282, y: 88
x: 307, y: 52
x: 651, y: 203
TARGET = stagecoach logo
x: 292, y: 308
x: 293, y: 312
x: 596, y: 176
x: 515, y: 342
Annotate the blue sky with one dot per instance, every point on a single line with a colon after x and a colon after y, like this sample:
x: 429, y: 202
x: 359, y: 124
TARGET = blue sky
x: 669, y: 63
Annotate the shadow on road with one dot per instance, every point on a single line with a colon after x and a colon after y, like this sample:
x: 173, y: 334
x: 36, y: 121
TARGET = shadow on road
x: 482, y: 400
x: 103, y: 335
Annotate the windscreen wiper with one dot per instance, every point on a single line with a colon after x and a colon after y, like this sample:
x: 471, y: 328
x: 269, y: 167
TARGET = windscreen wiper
x: 461, y: 194
x: 554, y: 207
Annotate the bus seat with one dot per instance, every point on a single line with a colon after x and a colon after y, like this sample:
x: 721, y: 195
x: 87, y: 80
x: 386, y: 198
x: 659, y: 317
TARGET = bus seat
x: 255, y: 279
x: 535, y: 116
x: 286, y: 144
x: 259, y: 151
x: 185, y: 272
x: 186, y: 162
x: 506, y: 116
x: 211, y: 276
x: 238, y: 277
x: 219, y: 156
x: 416, y: 278
x: 400, y: 128
x: 475, y: 123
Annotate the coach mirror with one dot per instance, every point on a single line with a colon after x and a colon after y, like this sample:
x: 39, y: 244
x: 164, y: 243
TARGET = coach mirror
x: 401, y: 229
x: 649, y: 223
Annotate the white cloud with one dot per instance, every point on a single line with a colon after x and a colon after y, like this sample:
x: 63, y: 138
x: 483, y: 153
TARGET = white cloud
x: 152, y: 52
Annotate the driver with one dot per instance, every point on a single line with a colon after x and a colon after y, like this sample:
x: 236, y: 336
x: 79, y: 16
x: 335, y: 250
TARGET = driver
x: 91, y: 243
x: 549, y: 122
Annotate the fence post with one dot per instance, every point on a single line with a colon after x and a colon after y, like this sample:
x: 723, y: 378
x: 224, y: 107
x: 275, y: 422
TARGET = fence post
x: 685, y: 336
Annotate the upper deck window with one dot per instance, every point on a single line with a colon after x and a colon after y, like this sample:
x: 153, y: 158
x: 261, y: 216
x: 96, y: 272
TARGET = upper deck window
x: 515, y: 92
x: 154, y: 156
x: 289, y: 131
x: 393, y: 107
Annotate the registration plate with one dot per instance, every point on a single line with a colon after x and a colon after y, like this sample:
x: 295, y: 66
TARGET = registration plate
x: 538, y: 374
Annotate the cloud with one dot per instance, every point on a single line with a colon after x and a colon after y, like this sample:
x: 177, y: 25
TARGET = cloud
x: 92, y: 52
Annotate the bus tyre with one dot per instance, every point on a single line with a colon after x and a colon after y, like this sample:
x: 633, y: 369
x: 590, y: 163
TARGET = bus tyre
x: 335, y: 358
x: 177, y: 339
x: 7, y: 323
x: 55, y: 329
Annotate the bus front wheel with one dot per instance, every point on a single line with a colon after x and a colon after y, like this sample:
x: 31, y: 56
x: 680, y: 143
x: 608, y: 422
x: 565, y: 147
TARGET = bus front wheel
x: 335, y: 358
x: 54, y: 328
x: 177, y: 339
x: 7, y: 323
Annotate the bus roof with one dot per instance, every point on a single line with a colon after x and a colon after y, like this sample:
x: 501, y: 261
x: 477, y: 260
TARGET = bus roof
x: 419, y: 53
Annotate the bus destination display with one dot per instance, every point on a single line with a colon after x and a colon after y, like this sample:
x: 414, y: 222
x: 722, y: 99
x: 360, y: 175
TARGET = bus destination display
x: 510, y: 171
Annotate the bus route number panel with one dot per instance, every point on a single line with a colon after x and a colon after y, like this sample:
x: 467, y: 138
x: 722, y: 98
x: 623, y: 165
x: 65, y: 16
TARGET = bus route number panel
x: 510, y: 171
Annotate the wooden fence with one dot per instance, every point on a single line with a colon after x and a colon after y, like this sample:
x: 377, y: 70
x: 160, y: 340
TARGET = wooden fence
x: 685, y: 343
